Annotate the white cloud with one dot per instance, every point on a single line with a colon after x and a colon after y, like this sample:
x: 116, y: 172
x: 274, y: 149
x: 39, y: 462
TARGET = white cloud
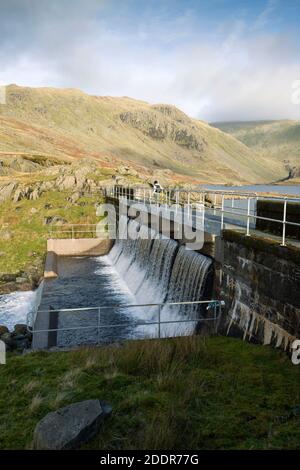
x: 265, y: 16
x: 242, y: 74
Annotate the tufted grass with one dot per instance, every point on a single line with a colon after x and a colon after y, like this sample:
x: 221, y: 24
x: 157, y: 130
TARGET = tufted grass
x: 25, y: 249
x: 184, y: 393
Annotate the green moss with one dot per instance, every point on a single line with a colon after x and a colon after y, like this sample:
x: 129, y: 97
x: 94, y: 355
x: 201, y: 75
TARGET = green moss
x: 185, y: 393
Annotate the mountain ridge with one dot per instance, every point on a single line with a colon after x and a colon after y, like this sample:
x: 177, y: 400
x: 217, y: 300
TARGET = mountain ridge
x: 69, y: 123
x: 275, y: 140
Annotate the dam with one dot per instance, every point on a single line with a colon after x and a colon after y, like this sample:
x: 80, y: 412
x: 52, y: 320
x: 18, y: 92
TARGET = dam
x: 127, y: 289
x: 152, y: 285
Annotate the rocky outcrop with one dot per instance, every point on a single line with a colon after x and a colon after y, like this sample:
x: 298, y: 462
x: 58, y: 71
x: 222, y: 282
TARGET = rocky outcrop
x: 7, y: 191
x: 80, y: 176
x: 158, y: 125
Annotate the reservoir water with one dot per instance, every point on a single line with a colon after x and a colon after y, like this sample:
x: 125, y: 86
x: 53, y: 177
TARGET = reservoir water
x: 293, y: 190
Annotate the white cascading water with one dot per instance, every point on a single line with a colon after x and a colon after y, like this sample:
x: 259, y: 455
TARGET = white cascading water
x: 157, y: 270
x: 19, y: 307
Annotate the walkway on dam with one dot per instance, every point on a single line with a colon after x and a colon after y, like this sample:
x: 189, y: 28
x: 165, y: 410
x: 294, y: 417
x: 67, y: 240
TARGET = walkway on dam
x: 212, y: 221
x: 229, y: 210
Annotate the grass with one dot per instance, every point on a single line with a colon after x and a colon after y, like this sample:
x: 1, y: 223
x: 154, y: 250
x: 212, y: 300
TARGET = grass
x: 185, y: 393
x: 24, y: 222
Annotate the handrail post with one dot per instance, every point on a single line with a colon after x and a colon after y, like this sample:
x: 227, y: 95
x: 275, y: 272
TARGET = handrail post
x: 222, y: 213
x: 284, y: 222
x: 248, y: 217
x: 72, y: 231
x: 98, y: 329
x: 215, y: 315
x: 159, y: 313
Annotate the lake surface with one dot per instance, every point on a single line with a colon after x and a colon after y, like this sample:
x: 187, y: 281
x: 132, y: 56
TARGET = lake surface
x: 293, y: 190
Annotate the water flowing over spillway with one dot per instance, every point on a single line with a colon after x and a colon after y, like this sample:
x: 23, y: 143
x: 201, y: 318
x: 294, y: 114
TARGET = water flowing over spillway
x: 119, y: 289
x: 157, y: 270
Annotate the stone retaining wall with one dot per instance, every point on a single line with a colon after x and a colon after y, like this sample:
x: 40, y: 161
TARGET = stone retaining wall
x: 260, y: 283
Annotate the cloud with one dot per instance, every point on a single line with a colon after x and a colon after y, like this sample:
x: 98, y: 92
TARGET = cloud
x: 265, y: 16
x: 235, y: 70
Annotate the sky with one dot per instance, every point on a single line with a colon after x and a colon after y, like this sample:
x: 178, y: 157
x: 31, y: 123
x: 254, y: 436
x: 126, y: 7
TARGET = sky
x: 217, y: 60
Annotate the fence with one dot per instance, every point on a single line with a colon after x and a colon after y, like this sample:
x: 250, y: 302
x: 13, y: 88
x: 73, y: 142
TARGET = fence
x: 99, y: 320
x: 218, y: 204
x: 80, y: 230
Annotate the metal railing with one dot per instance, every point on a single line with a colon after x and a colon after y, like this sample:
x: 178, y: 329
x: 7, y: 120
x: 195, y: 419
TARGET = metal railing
x: 211, y: 305
x: 242, y: 205
x: 80, y: 230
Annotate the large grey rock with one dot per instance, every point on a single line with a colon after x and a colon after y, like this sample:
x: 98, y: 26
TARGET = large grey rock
x: 8, y: 340
x: 20, y: 329
x: 55, y: 220
x: 70, y: 426
x: 6, y: 191
x: 3, y: 330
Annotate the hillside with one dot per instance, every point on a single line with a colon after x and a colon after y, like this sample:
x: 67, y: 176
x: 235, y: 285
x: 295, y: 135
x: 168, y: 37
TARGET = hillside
x: 180, y: 393
x: 276, y: 141
x: 71, y: 124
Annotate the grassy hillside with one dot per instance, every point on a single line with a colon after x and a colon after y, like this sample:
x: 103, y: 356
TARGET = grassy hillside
x: 71, y: 124
x: 185, y: 393
x: 24, y: 232
x: 278, y: 142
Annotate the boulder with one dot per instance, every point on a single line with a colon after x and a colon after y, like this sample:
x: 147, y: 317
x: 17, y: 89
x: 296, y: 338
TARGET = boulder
x: 8, y: 340
x: 69, y: 427
x: 3, y: 330
x: 20, y: 329
x: 56, y: 219
x: 7, y: 277
x: 20, y: 342
x: 6, y: 191
x: 21, y: 280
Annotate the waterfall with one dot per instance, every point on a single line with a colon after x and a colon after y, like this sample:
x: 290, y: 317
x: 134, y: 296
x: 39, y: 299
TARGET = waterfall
x: 157, y: 270
x: 19, y: 307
